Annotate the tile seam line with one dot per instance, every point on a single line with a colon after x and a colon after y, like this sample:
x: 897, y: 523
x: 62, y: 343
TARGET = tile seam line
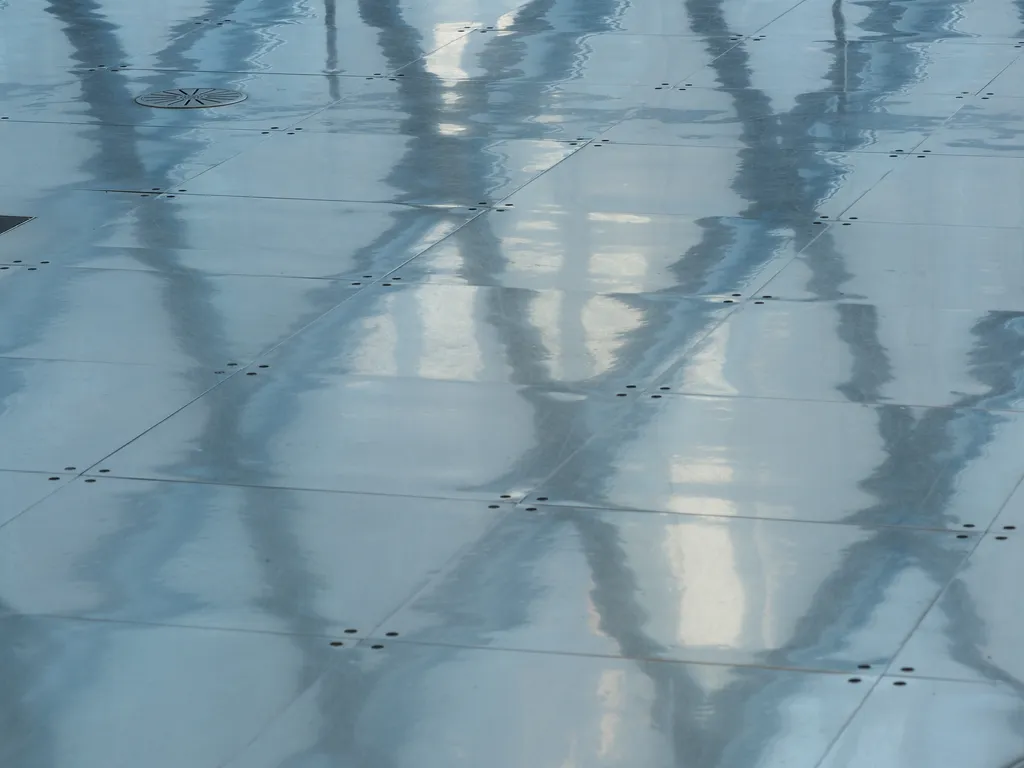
x: 441, y: 572
x: 476, y: 215
x: 953, y: 577
x: 789, y: 262
x: 849, y: 721
x: 865, y: 403
x: 941, y: 593
x: 202, y: 274
x: 390, y: 73
x: 299, y: 488
x: 693, y: 516
x: 895, y: 655
x: 353, y: 292
x: 221, y: 382
x: 36, y: 503
x: 743, y: 38
x: 220, y: 126
x: 513, y: 506
x: 634, y: 404
x: 1002, y: 71
x: 836, y: 673
x: 1003, y: 506
x: 70, y: 617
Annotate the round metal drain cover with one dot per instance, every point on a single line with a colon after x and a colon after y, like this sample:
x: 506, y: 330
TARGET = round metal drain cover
x: 190, y: 98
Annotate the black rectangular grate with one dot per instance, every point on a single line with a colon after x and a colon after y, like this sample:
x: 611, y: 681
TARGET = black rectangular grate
x: 10, y: 222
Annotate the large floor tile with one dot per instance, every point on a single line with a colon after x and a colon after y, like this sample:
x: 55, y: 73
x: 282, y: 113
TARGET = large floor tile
x: 20, y: 490
x: 828, y: 462
x: 687, y: 588
x: 971, y: 633
x: 829, y: 122
x: 57, y: 415
x: 928, y: 723
x: 172, y: 319
x: 900, y: 20
x: 574, y: 250
x: 1008, y: 83
x: 855, y: 352
x: 295, y: 562
x: 908, y: 266
x: 777, y: 184
x: 303, y: 425
x: 937, y: 189
x: 216, y: 235
x: 510, y: 335
x: 273, y: 102
x: 516, y: 55
x: 347, y: 46
x: 986, y: 126
x: 432, y: 707
x: 795, y: 63
x: 54, y: 157
x: 430, y: 106
x: 435, y: 170
x: 86, y: 694
x: 60, y: 220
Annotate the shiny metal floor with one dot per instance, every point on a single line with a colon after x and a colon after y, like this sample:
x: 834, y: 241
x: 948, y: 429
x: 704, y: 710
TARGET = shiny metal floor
x: 560, y: 383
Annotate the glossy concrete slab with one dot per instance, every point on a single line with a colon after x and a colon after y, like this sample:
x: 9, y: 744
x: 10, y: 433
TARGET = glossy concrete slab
x: 446, y: 256
x: 174, y: 319
x: 407, y: 18
x: 574, y: 250
x: 732, y: 17
x: 275, y: 237
x: 780, y: 61
x: 61, y: 219
x: 85, y: 694
x: 508, y: 335
x: 687, y: 588
x: 830, y: 122
x: 557, y: 56
x: 860, y: 353
x: 988, y: 125
x: 310, y: 427
x: 54, y: 38
x: 434, y: 707
x: 778, y: 184
x: 348, y: 46
x: 427, y: 106
x: 58, y: 415
x: 384, y: 168
x: 1012, y: 516
x: 902, y: 20
x: 294, y: 562
x: 961, y: 191
x: 51, y: 157
x: 925, y: 723
x: 791, y: 460
x: 107, y: 97
x: 972, y: 632
x: 908, y: 266
x: 1008, y: 82
x: 20, y: 490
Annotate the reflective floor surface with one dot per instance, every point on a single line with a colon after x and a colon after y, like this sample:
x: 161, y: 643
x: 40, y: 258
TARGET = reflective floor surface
x: 545, y: 383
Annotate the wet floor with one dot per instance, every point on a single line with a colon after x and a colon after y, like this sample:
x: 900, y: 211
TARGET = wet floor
x: 568, y: 383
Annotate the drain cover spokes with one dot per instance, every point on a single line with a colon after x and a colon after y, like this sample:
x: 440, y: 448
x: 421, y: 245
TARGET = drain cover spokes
x: 190, y: 98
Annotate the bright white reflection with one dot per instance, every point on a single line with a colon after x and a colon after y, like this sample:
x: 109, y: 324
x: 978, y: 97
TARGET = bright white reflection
x: 450, y: 129
x: 446, y: 62
x: 712, y: 601
x: 380, y: 338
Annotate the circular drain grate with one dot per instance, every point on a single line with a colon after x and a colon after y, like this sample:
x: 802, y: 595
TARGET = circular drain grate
x: 190, y: 98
